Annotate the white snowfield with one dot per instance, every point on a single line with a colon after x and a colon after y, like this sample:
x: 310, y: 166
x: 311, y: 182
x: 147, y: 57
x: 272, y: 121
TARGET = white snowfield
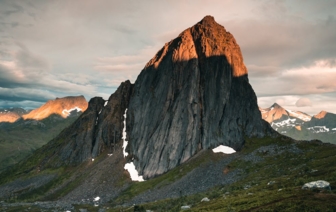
x: 334, y: 129
x: 318, y: 129
x: 223, y: 149
x: 67, y: 112
x: 133, y: 172
x: 299, y: 115
x: 96, y: 199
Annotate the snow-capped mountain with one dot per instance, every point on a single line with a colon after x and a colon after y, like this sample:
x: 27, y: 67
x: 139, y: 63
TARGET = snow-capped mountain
x: 282, y: 119
x: 300, y: 125
x: 60, y: 106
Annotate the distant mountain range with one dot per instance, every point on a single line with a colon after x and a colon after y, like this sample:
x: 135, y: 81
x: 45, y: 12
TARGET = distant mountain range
x: 11, y: 114
x: 301, y: 126
x: 22, y: 131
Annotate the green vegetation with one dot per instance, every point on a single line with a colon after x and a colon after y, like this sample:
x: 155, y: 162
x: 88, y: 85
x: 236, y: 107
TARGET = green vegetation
x: 305, y: 134
x: 289, y: 171
x: 272, y: 183
x: 19, y: 140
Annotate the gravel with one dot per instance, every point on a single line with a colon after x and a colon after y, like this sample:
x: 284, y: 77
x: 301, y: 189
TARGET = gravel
x: 198, y: 180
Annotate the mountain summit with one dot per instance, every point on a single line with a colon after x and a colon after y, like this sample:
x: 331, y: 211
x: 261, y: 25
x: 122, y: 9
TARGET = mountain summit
x: 60, y: 106
x: 193, y: 94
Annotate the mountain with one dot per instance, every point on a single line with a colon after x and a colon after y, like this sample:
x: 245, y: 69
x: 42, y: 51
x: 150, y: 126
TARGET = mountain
x: 60, y: 106
x: 299, y: 125
x: 276, y: 113
x: 21, y: 137
x: 192, y: 95
x: 11, y: 114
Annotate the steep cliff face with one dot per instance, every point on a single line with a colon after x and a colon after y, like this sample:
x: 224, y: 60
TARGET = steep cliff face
x: 93, y: 132
x: 194, y: 94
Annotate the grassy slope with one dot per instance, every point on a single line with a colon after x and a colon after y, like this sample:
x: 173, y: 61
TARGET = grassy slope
x: 305, y: 134
x: 289, y: 171
x: 16, y: 143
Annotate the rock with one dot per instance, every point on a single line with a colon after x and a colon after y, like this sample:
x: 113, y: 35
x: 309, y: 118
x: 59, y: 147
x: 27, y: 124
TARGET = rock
x: 97, y: 129
x: 270, y: 183
x: 205, y: 199
x: 185, y: 207
x: 320, y: 184
x: 193, y: 94
x: 60, y: 106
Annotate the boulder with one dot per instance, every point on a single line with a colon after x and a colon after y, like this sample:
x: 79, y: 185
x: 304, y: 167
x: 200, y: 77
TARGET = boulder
x: 319, y: 184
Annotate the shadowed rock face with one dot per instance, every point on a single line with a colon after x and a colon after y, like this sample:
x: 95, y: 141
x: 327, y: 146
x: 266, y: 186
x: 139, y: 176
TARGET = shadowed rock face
x: 92, y: 132
x: 193, y: 94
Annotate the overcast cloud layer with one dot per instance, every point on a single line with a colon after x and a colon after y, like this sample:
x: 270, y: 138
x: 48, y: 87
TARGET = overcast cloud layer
x: 57, y: 48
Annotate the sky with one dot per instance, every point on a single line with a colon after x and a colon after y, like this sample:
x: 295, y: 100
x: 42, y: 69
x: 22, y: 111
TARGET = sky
x: 60, y: 48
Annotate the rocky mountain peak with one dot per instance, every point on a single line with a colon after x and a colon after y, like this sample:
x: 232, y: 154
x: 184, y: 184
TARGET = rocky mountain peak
x: 60, y: 106
x: 208, y: 21
x: 192, y: 95
x: 276, y: 106
x: 321, y: 114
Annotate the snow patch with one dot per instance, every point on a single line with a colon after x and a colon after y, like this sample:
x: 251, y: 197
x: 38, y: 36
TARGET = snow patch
x: 299, y: 115
x: 318, y: 129
x: 133, y: 172
x: 99, y: 112
x: 334, y: 129
x: 124, y: 136
x: 223, y: 149
x: 288, y: 123
x: 109, y: 155
x: 96, y: 199
x: 67, y: 112
x: 92, y: 159
x: 105, y: 103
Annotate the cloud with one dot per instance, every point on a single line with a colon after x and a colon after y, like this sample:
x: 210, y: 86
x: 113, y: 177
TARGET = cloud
x: 316, y: 79
x: 303, y: 102
x: 66, y: 48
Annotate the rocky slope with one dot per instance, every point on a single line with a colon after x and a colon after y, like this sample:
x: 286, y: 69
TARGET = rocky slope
x: 193, y: 94
x: 60, y: 106
x: 11, y: 115
x: 99, y: 128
